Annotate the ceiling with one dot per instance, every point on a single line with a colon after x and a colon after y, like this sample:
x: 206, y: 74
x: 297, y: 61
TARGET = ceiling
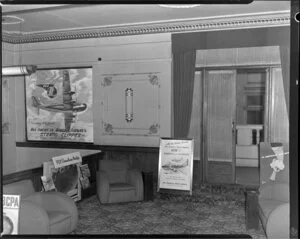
x: 48, y: 18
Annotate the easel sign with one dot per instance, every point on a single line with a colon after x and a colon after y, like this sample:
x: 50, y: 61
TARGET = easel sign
x: 175, y: 165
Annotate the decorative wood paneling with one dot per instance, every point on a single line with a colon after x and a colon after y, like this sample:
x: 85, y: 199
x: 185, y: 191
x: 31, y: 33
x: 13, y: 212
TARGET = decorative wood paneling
x: 35, y: 174
x: 246, y: 56
x: 88, y: 51
x: 149, y: 83
x: 219, y: 172
x: 146, y: 160
x: 143, y: 96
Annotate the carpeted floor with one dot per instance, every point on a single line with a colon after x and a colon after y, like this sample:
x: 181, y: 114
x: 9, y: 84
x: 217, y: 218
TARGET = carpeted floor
x: 210, y: 210
x: 247, y: 175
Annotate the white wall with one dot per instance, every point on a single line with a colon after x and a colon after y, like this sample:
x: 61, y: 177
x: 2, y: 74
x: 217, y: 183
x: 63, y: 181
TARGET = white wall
x: 8, y: 143
x: 72, y: 53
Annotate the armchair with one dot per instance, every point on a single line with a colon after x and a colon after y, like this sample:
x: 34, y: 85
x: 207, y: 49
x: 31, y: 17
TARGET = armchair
x: 43, y: 212
x: 274, y: 209
x: 274, y: 196
x: 117, y: 182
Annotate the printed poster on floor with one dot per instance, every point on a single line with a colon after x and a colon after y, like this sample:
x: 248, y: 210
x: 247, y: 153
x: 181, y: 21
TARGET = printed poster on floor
x: 10, y: 217
x: 175, y: 164
x: 59, y: 105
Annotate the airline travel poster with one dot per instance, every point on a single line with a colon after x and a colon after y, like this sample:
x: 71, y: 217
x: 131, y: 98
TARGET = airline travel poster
x: 59, y: 105
x: 175, y: 164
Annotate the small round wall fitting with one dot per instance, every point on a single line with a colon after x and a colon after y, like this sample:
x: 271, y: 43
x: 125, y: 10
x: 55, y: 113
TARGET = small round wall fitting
x: 297, y: 16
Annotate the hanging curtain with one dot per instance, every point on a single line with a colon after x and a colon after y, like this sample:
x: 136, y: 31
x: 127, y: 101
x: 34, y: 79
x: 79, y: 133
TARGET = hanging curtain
x: 183, y: 87
x: 285, y: 67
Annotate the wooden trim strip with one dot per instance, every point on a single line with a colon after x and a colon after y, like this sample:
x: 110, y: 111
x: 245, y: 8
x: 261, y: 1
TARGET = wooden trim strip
x: 87, y: 146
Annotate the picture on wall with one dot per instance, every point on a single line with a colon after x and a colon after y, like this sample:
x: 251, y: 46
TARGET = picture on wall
x: 59, y: 105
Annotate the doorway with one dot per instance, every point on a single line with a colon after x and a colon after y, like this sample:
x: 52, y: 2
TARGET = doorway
x: 234, y: 107
x: 251, y: 105
x: 219, y: 125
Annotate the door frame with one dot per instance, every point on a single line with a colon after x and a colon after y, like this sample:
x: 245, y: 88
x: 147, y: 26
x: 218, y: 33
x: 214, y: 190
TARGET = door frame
x: 267, y: 113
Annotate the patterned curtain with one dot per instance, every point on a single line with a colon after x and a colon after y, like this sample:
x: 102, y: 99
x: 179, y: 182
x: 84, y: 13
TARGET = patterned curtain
x: 183, y: 87
x: 285, y: 66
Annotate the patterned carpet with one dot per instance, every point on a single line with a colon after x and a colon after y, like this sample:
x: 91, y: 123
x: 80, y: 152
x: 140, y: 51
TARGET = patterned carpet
x: 210, y: 210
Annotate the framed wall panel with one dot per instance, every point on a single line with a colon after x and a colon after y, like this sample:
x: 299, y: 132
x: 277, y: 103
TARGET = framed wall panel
x: 132, y: 102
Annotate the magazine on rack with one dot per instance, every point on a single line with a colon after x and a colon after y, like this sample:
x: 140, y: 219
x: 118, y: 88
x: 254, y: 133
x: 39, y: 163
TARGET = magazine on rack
x: 85, y: 171
x: 65, y: 173
x: 11, y: 208
x: 48, y: 183
x: 84, y: 177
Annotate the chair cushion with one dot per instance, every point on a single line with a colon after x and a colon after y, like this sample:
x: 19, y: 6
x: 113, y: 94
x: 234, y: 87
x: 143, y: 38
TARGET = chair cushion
x: 60, y: 222
x: 122, y: 196
x: 266, y: 206
x: 57, y: 216
x: 121, y: 187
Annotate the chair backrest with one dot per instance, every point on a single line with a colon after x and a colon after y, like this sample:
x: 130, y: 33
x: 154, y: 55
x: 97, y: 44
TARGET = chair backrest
x: 115, y: 169
x: 24, y: 188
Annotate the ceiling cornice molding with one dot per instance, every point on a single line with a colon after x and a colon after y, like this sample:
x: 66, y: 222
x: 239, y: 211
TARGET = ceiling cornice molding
x: 204, y: 24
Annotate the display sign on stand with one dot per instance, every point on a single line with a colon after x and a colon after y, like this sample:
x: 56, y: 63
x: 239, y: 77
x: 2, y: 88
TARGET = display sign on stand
x: 175, y: 166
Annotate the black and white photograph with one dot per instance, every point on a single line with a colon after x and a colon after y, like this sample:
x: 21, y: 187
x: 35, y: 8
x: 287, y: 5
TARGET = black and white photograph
x: 151, y: 119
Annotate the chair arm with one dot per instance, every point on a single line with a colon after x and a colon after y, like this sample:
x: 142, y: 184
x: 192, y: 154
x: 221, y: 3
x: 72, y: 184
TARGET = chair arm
x: 56, y: 201
x: 33, y: 219
x: 279, y: 222
x: 135, y: 178
x: 102, y: 186
x: 275, y: 190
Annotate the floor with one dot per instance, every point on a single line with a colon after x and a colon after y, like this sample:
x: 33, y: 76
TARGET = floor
x: 212, y: 209
x: 247, y: 176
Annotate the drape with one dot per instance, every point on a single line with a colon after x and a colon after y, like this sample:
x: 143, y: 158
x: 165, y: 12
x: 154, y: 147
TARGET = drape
x: 285, y: 67
x: 183, y: 87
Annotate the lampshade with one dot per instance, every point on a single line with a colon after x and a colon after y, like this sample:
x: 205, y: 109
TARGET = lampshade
x: 18, y: 70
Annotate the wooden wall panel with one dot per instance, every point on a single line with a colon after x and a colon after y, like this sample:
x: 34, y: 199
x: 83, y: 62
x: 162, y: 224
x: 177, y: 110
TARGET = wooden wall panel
x: 127, y: 49
x: 28, y: 157
x: 7, y: 54
x: 147, y: 161
x: 87, y: 51
x: 8, y: 137
x: 219, y: 172
x: 247, y: 56
x: 151, y: 85
x: 34, y: 174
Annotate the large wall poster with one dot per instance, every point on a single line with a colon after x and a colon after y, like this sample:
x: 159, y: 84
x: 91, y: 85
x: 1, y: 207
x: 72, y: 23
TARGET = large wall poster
x: 175, y: 166
x: 59, y: 105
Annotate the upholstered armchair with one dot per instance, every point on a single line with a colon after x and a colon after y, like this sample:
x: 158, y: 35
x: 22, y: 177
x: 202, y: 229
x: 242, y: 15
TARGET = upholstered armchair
x: 274, y: 196
x: 117, y: 182
x: 43, y: 212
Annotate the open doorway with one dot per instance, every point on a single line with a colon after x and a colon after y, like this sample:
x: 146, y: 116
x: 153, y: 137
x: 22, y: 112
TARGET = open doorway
x: 251, y: 116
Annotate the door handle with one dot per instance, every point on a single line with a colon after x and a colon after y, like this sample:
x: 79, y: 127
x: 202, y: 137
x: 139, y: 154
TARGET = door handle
x: 233, y: 127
